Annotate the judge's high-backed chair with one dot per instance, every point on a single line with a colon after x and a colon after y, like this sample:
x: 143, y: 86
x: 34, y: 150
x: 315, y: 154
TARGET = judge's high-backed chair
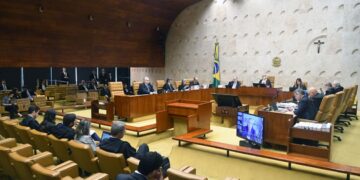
x: 112, y: 163
x: 116, y: 89
x: 186, y: 173
x: 41, y: 140
x: 23, y: 164
x: 7, y: 146
x: 272, y: 80
x: 177, y: 84
x: 96, y: 176
x: 336, y: 110
x: 3, y: 132
x: 133, y: 163
x: 325, y: 110
x: 347, y: 96
x: 159, y: 84
x: 9, y: 127
x: 68, y: 168
x: 136, y: 85
x: 42, y: 103
x: 84, y: 157
x: 60, y: 148
x: 351, y: 110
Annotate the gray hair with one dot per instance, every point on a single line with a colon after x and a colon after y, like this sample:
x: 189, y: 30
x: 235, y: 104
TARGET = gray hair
x: 83, y: 128
x: 117, y: 127
x: 299, y: 91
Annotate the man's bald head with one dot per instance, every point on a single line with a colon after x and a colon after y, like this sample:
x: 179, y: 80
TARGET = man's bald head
x: 312, y: 91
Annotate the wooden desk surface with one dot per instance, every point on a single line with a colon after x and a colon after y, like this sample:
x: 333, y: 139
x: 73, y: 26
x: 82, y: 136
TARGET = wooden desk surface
x: 184, y: 105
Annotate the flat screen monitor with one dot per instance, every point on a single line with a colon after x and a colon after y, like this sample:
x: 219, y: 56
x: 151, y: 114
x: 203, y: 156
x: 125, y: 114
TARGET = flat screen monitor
x: 259, y: 85
x: 250, y: 127
x: 227, y: 100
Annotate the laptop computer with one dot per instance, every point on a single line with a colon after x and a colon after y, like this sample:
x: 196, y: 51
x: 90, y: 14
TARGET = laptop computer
x: 259, y: 85
x: 105, y: 135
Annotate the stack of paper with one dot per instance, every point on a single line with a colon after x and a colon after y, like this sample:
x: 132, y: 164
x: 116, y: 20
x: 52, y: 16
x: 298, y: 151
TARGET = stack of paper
x: 325, y: 127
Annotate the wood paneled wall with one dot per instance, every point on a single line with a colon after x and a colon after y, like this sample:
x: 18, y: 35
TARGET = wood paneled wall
x: 86, y: 33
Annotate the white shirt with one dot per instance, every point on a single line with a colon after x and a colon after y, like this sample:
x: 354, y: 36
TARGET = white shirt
x: 234, y: 85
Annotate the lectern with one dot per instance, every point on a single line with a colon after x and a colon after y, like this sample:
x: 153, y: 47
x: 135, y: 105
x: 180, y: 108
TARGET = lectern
x: 184, y: 116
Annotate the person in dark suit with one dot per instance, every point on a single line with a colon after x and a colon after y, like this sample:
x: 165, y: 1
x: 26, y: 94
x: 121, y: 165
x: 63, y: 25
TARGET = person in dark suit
x: 3, y: 86
x: 26, y: 93
x: 105, y: 92
x: 328, y: 89
x: 183, y: 86
x: 9, y: 102
x: 104, y: 77
x: 149, y: 168
x: 93, y: 76
x: 128, y: 90
x: 315, y: 99
x: 115, y: 144
x: 305, y: 109
x: 42, y: 86
x: 65, y: 130
x: 298, y: 85
x: 49, y: 121
x: 145, y: 87
x: 234, y: 84
x: 168, y: 87
x: 337, y: 87
x: 82, y: 86
x: 64, y: 76
x: 265, y: 81
x: 92, y: 85
x: 194, y: 82
x: 30, y: 119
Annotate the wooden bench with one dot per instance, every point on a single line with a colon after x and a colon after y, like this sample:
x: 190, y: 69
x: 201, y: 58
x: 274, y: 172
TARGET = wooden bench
x: 137, y: 129
x: 326, y: 165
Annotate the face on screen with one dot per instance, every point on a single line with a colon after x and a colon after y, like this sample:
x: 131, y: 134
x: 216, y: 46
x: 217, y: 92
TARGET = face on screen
x: 250, y: 127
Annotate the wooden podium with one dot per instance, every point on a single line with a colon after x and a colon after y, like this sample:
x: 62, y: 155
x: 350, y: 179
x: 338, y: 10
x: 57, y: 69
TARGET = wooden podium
x: 108, y: 106
x: 184, y: 116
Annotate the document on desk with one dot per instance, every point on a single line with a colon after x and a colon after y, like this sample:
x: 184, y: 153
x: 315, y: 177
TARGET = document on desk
x: 287, y: 105
x: 325, y: 127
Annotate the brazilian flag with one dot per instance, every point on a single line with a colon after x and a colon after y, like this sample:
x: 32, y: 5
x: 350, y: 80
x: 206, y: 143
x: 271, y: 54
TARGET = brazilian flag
x: 216, y: 72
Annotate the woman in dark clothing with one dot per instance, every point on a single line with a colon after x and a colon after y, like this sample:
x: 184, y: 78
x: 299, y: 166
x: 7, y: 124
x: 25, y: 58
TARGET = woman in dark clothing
x: 49, y: 121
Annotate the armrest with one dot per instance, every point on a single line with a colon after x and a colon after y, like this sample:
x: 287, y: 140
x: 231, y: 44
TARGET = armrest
x: 95, y: 159
x: 9, y: 143
x: 306, y: 120
x: 188, y: 170
x: 68, y: 168
x: 25, y: 150
x: 44, y: 159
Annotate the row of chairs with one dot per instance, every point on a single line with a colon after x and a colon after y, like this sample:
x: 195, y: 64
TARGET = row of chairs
x: 72, y: 154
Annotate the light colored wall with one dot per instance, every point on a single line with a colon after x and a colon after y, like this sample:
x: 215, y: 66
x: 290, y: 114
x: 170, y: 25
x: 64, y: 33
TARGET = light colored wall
x: 138, y: 74
x: 252, y: 32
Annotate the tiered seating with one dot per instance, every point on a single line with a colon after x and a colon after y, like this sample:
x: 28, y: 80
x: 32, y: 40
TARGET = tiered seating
x: 84, y: 157
x: 116, y: 89
x: 111, y: 163
x: 43, y: 103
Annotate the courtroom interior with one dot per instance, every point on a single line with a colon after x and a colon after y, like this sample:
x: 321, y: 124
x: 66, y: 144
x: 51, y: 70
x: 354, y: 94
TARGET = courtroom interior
x: 179, y: 89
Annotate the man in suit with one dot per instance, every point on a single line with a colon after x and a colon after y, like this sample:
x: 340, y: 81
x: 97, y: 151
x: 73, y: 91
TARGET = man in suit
x: 149, y: 168
x: 9, y: 102
x: 103, y: 77
x: 265, y: 81
x: 337, y: 87
x: 183, y: 86
x: 145, y: 87
x: 64, y: 76
x: 168, y: 87
x: 105, y: 92
x: 234, y: 84
x: 115, y: 144
x: 30, y: 119
x: 315, y: 99
x: 194, y: 82
x: 305, y: 110
x: 128, y: 90
x: 92, y: 85
x: 65, y: 130
x: 83, y: 86
x: 3, y: 86
x: 26, y: 93
x: 329, y: 89
x: 93, y: 76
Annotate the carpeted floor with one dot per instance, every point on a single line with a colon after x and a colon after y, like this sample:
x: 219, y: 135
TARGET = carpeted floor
x: 214, y: 164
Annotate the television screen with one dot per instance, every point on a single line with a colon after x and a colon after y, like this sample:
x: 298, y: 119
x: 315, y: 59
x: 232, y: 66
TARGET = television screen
x: 227, y: 100
x: 250, y: 127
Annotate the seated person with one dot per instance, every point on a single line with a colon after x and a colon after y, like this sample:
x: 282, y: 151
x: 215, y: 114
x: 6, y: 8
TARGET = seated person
x: 168, y: 87
x: 30, y: 119
x: 183, y: 86
x: 337, y: 87
x: 265, y: 81
x: 128, y: 90
x: 315, y: 99
x: 304, y: 110
x: 42, y: 86
x: 145, y: 87
x: 115, y: 144
x: 194, y: 82
x: 64, y: 76
x: 105, y: 92
x: 49, y: 121
x: 9, y: 102
x: 3, y: 86
x: 328, y: 89
x: 234, y: 84
x: 298, y: 85
x: 83, y: 86
x: 92, y: 85
x: 82, y: 134
x: 149, y: 168
x: 26, y: 93
x: 65, y: 130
